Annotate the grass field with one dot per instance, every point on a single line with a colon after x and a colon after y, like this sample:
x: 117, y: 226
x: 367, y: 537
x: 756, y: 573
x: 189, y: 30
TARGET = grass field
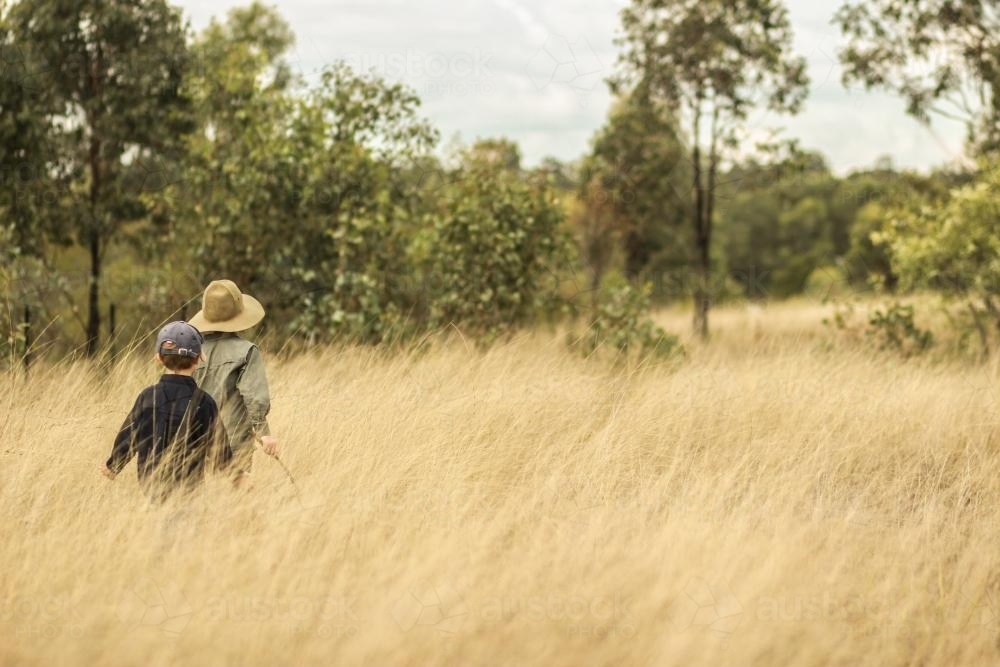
x: 773, y: 499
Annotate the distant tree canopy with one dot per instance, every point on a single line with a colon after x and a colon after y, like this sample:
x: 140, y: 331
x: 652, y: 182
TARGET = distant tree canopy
x: 951, y: 245
x: 779, y: 224
x: 167, y: 159
x: 105, y: 80
x: 708, y: 64
x: 139, y: 160
x: 630, y: 184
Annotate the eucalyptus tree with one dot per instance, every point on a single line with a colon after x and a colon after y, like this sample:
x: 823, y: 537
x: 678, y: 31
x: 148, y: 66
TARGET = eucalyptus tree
x: 106, y: 80
x: 939, y: 55
x: 709, y: 63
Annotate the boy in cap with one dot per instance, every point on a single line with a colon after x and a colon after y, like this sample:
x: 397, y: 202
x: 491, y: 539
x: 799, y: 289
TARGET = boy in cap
x: 173, y: 425
x: 233, y: 370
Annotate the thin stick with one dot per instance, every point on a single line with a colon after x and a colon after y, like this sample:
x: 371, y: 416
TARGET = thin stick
x: 288, y: 472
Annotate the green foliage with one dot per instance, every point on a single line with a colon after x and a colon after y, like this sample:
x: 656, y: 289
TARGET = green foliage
x: 628, y: 191
x: 622, y: 327
x: 348, y: 252
x: 894, y: 329
x: 843, y: 315
x: 494, y: 244
x: 890, y: 328
x: 105, y: 82
x: 272, y: 157
x: 709, y: 63
x: 871, y: 199
x: 318, y: 199
x: 32, y: 181
x: 953, y: 248
x: 722, y: 53
x: 868, y: 256
x: 939, y: 55
x: 777, y: 228
x: 162, y: 159
x: 346, y: 165
x: 501, y: 153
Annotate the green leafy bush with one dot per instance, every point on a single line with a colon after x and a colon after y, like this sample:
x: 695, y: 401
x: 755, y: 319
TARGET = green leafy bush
x: 621, y: 325
x: 894, y: 329
x: 954, y: 249
x: 495, y: 239
x: 891, y: 327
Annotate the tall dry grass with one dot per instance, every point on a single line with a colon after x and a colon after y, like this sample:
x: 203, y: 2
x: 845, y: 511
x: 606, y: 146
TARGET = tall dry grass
x: 771, y: 500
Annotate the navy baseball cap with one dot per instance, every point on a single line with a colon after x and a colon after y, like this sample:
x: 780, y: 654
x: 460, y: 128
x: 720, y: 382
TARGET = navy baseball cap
x: 179, y: 338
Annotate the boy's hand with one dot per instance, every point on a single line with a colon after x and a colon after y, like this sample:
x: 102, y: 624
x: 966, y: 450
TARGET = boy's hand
x: 106, y: 471
x: 270, y: 445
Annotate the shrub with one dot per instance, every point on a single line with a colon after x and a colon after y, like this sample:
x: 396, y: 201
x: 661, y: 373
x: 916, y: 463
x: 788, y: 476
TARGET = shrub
x: 494, y: 243
x: 953, y: 248
x: 621, y: 325
x: 894, y: 329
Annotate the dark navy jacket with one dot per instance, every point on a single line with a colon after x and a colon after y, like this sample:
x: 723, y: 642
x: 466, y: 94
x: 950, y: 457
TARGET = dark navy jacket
x: 175, y: 432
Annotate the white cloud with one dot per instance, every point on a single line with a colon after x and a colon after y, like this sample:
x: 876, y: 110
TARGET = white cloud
x: 430, y: 45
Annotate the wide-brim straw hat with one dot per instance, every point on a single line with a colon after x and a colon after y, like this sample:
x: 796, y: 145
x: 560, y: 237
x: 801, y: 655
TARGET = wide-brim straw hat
x: 225, y: 308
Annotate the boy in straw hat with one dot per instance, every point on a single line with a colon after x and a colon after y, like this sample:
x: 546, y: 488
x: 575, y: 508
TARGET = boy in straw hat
x: 233, y: 369
x: 173, y: 426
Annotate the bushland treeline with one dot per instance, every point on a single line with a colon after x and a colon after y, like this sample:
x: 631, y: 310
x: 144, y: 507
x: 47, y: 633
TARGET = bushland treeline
x: 139, y: 159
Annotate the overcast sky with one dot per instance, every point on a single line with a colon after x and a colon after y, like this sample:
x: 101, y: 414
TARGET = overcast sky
x: 534, y: 71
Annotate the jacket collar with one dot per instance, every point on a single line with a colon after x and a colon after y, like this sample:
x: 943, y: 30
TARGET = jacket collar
x: 170, y: 378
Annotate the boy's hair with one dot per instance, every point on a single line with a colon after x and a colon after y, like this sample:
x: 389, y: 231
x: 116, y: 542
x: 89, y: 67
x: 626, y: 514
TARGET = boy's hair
x: 175, y: 362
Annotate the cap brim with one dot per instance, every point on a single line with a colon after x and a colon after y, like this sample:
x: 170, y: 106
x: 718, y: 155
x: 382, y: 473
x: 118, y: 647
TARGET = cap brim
x: 252, y: 314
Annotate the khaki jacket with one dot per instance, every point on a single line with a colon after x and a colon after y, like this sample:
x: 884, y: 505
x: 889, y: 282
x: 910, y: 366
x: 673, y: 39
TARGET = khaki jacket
x: 233, y: 374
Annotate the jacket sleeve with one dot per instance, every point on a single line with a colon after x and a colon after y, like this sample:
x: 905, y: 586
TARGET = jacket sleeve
x: 124, y: 447
x: 252, y: 386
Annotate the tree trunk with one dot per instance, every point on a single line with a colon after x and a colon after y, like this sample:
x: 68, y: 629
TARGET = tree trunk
x: 94, y: 229
x: 93, y: 301
x: 94, y: 244
x: 701, y: 257
x: 704, y: 239
x: 636, y: 254
x: 596, y: 271
x: 702, y: 299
